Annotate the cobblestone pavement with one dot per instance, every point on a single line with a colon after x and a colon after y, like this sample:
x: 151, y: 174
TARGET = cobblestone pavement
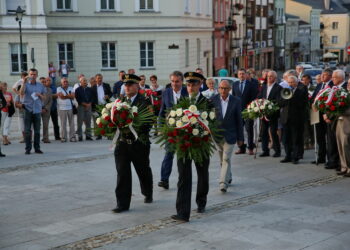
x: 62, y: 200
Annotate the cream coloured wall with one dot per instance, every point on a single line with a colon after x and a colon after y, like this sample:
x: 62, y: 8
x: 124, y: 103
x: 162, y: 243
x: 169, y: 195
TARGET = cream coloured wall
x: 298, y: 9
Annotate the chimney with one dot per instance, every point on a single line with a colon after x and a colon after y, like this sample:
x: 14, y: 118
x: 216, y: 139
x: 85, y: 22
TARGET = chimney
x: 327, y: 4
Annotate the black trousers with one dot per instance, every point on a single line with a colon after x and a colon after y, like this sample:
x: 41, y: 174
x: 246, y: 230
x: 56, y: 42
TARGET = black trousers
x: 321, y: 134
x: 293, y: 140
x: 184, y: 186
x: 136, y: 153
x: 249, y: 127
x: 332, y: 146
x: 273, y: 126
x: 54, y: 119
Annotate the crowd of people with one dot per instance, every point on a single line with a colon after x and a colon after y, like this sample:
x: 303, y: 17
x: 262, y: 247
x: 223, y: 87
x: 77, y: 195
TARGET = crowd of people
x: 38, y: 101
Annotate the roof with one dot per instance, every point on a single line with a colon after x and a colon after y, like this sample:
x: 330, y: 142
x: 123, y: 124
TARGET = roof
x: 336, y: 6
x: 291, y: 16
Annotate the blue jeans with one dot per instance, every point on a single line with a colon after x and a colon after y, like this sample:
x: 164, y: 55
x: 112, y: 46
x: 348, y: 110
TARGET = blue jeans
x: 167, y: 165
x: 29, y: 119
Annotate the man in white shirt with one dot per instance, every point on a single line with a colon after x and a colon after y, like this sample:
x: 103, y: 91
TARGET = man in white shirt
x: 65, y: 95
x: 19, y: 83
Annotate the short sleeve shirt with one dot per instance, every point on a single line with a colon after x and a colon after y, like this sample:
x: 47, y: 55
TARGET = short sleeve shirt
x: 64, y: 104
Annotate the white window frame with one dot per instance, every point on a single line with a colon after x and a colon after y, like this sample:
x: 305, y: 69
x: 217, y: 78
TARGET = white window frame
x: 116, y: 6
x: 25, y: 52
x: 335, y: 25
x: 209, y: 6
x: 109, y: 59
x: 187, y: 53
x: 187, y: 6
x: 334, y: 39
x: 74, y: 6
x: 147, y: 50
x: 155, y: 6
x: 199, y: 52
x: 65, y: 53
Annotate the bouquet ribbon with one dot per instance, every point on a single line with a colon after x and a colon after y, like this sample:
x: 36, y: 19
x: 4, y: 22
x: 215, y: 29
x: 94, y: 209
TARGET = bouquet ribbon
x: 325, y: 90
x: 258, y: 105
x: 117, y: 133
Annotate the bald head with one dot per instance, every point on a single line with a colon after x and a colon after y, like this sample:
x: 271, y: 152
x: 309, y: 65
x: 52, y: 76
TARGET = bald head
x: 271, y: 77
x: 224, y: 89
x: 338, y: 76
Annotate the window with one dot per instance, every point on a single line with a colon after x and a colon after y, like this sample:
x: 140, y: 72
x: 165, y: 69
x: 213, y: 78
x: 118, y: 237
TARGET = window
x: 64, y: 5
x: 187, y: 52
x: 334, y: 39
x: 146, y: 5
x: 198, y: 51
x: 16, y: 59
x: 187, y: 6
x: 198, y: 7
x: 222, y: 11
x: 13, y: 4
x: 147, y: 54
x: 107, y: 5
x: 222, y: 47
x: 335, y: 25
x: 216, y: 11
x: 65, y: 53
x: 108, y: 50
x: 208, y: 8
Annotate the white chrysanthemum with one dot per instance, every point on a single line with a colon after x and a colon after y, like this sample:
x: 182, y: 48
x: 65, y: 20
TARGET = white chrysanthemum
x: 179, y: 124
x: 192, y: 108
x: 172, y: 113
x: 204, y: 115
x: 256, y: 109
x: 179, y: 112
x: 193, y: 120
x: 206, y: 122
x: 119, y: 106
x: 212, y: 115
x: 104, y: 111
x: 109, y: 105
x: 206, y: 132
x: 171, y: 121
x: 263, y: 107
x: 270, y: 106
x: 185, y: 119
x: 98, y: 120
x: 104, y: 115
x: 195, y: 132
x: 134, y: 109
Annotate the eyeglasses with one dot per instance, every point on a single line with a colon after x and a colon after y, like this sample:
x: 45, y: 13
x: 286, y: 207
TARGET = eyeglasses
x: 224, y: 88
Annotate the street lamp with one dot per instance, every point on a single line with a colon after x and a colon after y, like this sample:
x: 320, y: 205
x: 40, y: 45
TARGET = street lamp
x: 19, y: 16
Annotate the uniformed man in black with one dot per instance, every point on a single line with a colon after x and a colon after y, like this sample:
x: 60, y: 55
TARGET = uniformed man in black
x: 128, y: 150
x: 184, y: 185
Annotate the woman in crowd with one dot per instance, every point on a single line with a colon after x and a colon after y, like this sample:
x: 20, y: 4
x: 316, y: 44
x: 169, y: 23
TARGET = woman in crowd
x: 211, y: 91
x: 6, y: 113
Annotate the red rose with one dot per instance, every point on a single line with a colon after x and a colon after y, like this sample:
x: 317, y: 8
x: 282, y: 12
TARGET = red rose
x: 170, y: 134
x: 335, y: 99
x: 196, y: 139
x: 135, y: 114
x: 189, y: 129
x: 111, y: 125
x: 141, y: 92
x: 325, y: 98
x: 175, y: 133
x: 186, y: 137
x: 206, y: 138
x: 107, y: 118
x: 171, y: 140
x: 155, y: 102
x: 154, y: 93
x: 188, y: 144
x: 322, y: 106
x: 100, y: 125
x: 342, y: 104
x: 332, y: 108
x: 343, y: 97
x: 116, y: 111
x: 102, y: 132
x: 114, y: 119
x: 149, y: 92
x: 124, y: 114
x: 128, y: 121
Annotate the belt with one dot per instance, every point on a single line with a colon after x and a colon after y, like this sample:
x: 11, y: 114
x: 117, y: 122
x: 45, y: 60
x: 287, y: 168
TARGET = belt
x: 127, y: 141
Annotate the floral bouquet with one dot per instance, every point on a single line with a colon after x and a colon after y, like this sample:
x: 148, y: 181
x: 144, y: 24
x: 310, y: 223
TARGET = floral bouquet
x: 120, y: 117
x: 189, y: 130
x: 260, y: 108
x: 153, y: 96
x: 332, y: 101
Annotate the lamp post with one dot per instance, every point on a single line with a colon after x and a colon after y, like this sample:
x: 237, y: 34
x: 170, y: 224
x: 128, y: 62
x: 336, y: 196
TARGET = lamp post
x: 19, y: 15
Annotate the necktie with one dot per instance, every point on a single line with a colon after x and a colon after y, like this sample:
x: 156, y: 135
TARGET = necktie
x: 322, y: 86
x: 241, y: 87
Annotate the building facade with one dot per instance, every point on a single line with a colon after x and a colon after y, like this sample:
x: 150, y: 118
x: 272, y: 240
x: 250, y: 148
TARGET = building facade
x: 280, y: 33
x: 100, y: 36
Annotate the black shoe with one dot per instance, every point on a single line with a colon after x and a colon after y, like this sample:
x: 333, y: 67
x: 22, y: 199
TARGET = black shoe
x: 330, y: 167
x: 99, y: 137
x: 2, y: 155
x: 318, y: 162
x: 148, y: 200
x: 276, y: 155
x: 285, y: 160
x: 295, y: 162
x: 118, y: 210
x: 264, y: 154
x: 38, y: 151
x: 201, y: 210
x: 57, y: 138
x: 89, y: 138
x: 27, y: 152
x: 342, y: 173
x: 80, y: 138
x: 163, y: 184
x: 229, y: 181
x: 178, y: 218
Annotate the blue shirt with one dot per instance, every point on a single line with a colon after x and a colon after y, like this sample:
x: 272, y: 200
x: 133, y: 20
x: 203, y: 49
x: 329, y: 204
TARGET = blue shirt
x: 54, y: 100
x: 34, y: 106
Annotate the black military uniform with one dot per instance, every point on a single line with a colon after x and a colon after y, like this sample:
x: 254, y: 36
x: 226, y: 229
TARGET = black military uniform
x: 127, y: 151
x: 184, y: 185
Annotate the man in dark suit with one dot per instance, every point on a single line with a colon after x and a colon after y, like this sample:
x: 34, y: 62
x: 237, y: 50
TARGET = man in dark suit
x: 101, y: 93
x: 228, y: 113
x: 321, y: 127
x: 118, y: 85
x: 184, y: 185
x: 129, y: 150
x: 247, y: 91
x: 170, y: 97
x: 293, y: 120
x: 272, y: 92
